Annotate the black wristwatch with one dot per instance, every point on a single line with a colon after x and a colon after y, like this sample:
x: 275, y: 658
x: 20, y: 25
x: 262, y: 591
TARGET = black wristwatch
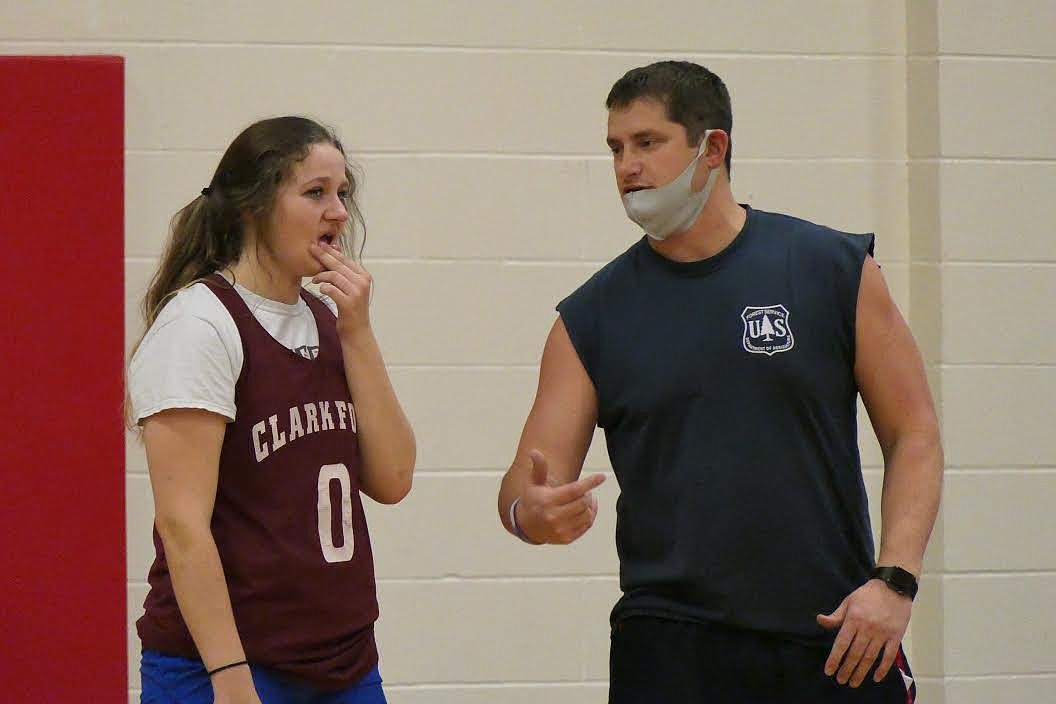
x: 898, y: 579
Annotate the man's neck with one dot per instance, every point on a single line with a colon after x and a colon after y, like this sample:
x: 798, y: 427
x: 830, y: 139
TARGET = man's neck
x: 718, y: 225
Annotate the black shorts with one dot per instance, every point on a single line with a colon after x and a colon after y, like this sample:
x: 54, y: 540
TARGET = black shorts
x: 659, y: 660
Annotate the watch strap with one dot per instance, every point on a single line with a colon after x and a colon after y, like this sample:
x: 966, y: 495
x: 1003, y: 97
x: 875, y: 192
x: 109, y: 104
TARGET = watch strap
x: 897, y: 579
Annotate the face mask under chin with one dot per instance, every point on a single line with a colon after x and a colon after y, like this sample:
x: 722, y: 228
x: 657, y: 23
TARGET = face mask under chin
x: 673, y: 207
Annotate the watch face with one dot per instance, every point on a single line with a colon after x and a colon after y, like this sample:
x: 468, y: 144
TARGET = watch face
x: 898, y: 579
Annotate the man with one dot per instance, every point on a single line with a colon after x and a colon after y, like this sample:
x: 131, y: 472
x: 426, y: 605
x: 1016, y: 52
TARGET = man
x: 723, y: 354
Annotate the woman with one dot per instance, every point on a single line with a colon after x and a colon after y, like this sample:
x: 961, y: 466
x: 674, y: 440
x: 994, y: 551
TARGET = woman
x: 265, y: 410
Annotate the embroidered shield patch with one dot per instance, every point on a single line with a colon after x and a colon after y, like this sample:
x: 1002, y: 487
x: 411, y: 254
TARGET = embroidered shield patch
x: 767, y: 330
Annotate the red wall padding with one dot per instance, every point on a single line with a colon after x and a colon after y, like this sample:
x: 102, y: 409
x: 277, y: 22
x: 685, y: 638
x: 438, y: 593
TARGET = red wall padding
x: 62, y: 522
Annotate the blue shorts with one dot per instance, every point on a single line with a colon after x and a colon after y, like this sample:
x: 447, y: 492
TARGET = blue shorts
x: 174, y: 680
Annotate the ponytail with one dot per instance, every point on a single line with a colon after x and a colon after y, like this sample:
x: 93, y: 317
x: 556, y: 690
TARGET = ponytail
x: 205, y: 237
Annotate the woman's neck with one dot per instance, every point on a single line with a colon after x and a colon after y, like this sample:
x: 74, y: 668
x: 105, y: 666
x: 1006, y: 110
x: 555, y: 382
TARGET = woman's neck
x: 249, y: 272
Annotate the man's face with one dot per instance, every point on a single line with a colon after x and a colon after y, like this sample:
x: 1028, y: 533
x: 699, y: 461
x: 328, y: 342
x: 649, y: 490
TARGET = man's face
x: 648, y: 150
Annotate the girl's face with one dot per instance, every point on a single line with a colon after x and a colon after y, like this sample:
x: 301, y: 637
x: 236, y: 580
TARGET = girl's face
x: 309, y: 207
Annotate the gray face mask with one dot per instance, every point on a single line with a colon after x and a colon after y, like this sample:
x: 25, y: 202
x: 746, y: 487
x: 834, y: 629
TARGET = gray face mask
x: 673, y: 207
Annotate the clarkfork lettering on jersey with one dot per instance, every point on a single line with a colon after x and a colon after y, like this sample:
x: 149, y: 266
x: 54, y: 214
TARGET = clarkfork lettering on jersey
x: 280, y: 429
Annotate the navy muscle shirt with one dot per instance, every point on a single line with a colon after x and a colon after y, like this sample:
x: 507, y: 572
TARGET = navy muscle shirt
x: 727, y: 395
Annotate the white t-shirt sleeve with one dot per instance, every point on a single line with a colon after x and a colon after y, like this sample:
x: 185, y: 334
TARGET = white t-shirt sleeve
x: 190, y: 358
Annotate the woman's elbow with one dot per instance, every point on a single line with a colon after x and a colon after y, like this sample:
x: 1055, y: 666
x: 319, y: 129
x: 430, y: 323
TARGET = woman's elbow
x: 395, y: 487
x: 180, y: 533
x: 391, y: 494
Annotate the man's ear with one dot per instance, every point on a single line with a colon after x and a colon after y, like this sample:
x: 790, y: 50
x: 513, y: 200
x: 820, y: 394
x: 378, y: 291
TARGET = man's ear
x: 718, y: 145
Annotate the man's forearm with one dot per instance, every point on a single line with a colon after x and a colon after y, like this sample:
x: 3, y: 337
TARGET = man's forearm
x: 910, y: 501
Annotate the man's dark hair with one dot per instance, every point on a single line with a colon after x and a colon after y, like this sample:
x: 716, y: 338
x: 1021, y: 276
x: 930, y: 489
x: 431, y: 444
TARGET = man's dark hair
x: 693, y: 96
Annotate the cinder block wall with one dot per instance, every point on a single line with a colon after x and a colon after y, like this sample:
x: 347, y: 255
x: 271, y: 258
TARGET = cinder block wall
x: 489, y: 195
x: 982, y: 169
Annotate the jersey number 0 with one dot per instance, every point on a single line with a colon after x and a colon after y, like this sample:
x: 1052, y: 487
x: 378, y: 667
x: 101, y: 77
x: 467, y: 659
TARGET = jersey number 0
x: 331, y: 552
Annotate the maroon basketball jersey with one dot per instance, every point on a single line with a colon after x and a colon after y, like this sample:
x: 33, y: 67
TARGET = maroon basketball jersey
x: 288, y: 520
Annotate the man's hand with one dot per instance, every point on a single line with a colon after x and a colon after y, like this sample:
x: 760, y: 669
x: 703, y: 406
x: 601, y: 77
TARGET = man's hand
x: 560, y: 514
x: 872, y: 620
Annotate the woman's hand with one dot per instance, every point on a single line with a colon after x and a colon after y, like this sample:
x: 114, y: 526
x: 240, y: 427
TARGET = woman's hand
x: 348, y: 284
x: 234, y: 686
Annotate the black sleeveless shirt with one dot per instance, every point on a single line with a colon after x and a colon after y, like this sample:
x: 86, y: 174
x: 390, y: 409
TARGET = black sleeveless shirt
x: 727, y: 395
